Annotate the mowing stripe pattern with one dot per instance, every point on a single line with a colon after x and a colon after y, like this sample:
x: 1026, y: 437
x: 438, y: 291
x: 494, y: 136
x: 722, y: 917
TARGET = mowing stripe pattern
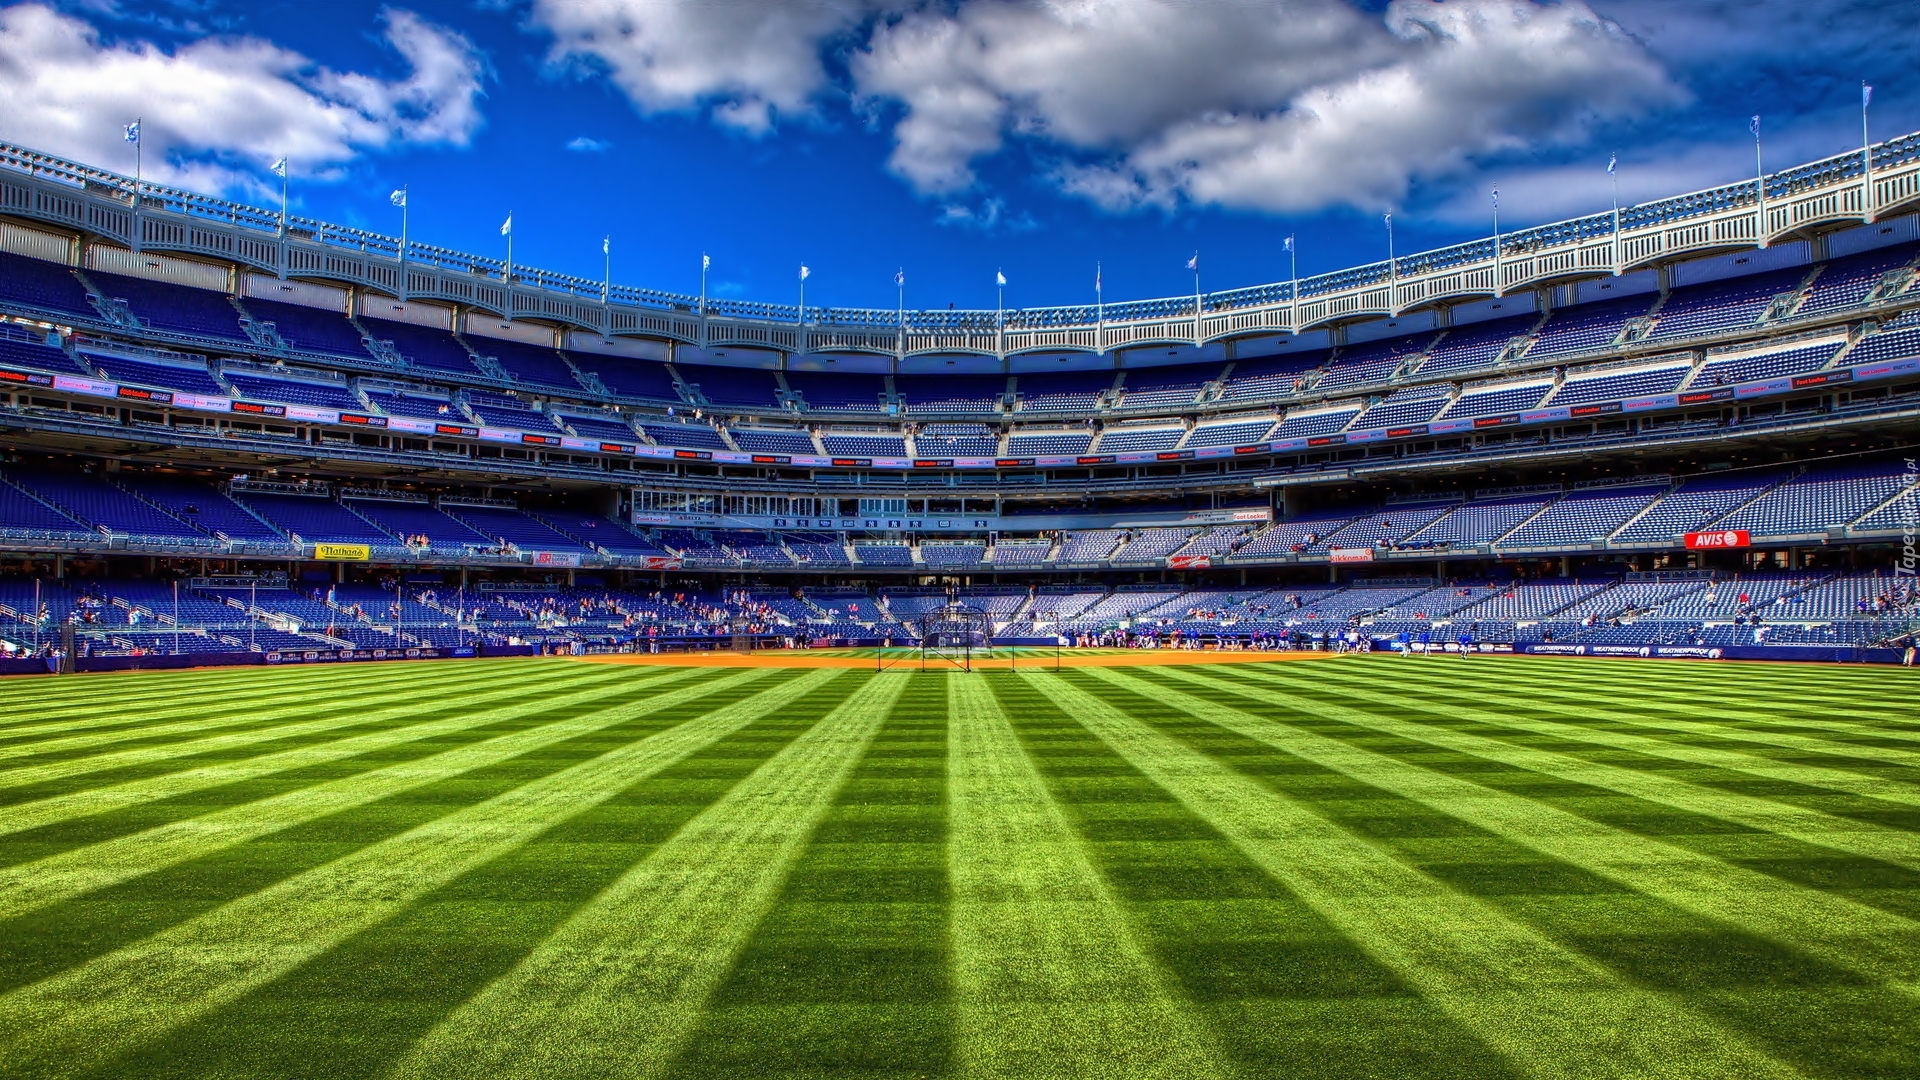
x: 1361, y: 866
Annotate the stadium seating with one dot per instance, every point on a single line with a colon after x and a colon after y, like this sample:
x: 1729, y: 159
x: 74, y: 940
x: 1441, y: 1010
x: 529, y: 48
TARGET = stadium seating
x: 1748, y: 366
x: 32, y: 285
x: 1582, y: 517
x: 1723, y: 305
x: 957, y: 440
x: 189, y: 377
x: 255, y: 386
x: 174, y: 308
x: 424, y: 347
x: 1821, y: 499
x: 308, y: 329
x: 1587, y: 326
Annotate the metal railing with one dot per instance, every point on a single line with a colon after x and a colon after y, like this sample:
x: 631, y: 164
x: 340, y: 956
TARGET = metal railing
x: 143, y: 214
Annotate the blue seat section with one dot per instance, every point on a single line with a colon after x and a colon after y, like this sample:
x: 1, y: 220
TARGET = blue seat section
x: 420, y: 407
x: 516, y: 528
x: 1415, y: 405
x: 1021, y: 444
x: 443, y: 533
x: 1848, y: 281
x: 1238, y: 434
x: 1613, y: 387
x: 1169, y: 387
x: 1723, y: 305
x: 1270, y: 375
x: 91, y: 499
x: 38, y: 284
x: 1887, y: 345
x: 952, y: 555
x: 527, y: 363
x: 957, y: 440
x: 178, y: 308
x: 610, y: 536
x: 193, y: 380
x: 1583, y: 516
x: 23, y: 515
x: 951, y: 393
x: 607, y: 426
x: 1061, y: 391
x: 628, y: 376
x: 317, y: 520
x: 1121, y: 440
x: 817, y: 549
x: 202, y: 505
x: 1310, y: 424
x: 500, y: 410
x: 309, y: 329
x: 1372, y: 362
x: 423, y: 346
x: 773, y: 442
x: 753, y: 388
x: 1750, y: 367
x: 692, y: 436
x: 1821, y: 499
x: 292, y: 391
x: 26, y: 350
x: 1479, y: 522
x: 876, y: 445
x: 1387, y: 527
x: 883, y: 555
x: 1496, y: 400
x: 844, y: 391
x: 1696, y: 505
x: 1474, y: 346
x: 1588, y: 326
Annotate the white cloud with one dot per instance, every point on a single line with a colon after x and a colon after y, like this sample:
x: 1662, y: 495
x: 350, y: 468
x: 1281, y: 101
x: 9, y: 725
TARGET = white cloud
x: 217, y: 111
x: 1287, y: 105
x: 585, y: 144
x: 749, y: 61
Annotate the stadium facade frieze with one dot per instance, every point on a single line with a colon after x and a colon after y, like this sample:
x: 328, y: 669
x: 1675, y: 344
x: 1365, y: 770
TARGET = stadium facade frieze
x: 1805, y: 201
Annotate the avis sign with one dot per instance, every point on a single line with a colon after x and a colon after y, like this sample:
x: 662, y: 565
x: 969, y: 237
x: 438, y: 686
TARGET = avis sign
x: 1721, y: 538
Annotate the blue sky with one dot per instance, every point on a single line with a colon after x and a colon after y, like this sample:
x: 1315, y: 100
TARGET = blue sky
x: 953, y: 138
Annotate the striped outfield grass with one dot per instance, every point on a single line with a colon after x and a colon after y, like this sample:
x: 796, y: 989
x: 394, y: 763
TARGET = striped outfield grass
x: 1362, y: 866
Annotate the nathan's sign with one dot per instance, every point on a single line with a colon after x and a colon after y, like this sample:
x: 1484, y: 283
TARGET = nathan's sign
x: 343, y: 552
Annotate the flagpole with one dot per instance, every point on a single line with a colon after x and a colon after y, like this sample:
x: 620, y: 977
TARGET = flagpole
x: 1613, y: 176
x: 606, y: 277
x: 1099, y: 312
x: 1293, y: 293
x: 1759, y: 188
x: 1199, y: 330
x: 1393, y: 264
x: 1866, y: 155
x: 803, y: 302
x: 1497, y: 283
x: 139, y: 151
x: 286, y: 169
x: 704, y: 261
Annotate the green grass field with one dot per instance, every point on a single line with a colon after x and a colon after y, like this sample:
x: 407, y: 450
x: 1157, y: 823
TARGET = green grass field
x: 1360, y: 866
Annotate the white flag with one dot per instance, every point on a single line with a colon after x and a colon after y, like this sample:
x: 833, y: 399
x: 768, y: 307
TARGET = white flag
x: 900, y: 277
x: 1096, y: 277
x: 804, y: 271
x: 1613, y: 162
x: 1496, y: 198
x: 999, y: 277
x: 1194, y: 263
x: 1755, y: 126
x: 606, y: 245
x: 1289, y: 243
x: 1866, y: 94
x: 706, y: 262
x: 399, y: 197
x: 1389, y: 218
x: 506, y: 227
x: 280, y: 167
x: 133, y: 131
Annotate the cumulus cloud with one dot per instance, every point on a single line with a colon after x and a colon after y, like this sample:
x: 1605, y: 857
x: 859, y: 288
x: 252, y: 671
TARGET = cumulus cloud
x: 585, y: 144
x: 1287, y: 105
x: 746, y: 60
x: 215, y: 113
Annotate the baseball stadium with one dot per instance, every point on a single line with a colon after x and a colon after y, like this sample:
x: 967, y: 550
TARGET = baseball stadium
x: 1489, y: 661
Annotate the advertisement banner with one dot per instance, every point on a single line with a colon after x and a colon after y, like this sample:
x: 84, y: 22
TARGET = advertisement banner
x: 343, y: 552
x: 1721, y: 538
x: 1350, y: 555
x: 660, y: 562
x: 1189, y: 562
x: 555, y: 558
